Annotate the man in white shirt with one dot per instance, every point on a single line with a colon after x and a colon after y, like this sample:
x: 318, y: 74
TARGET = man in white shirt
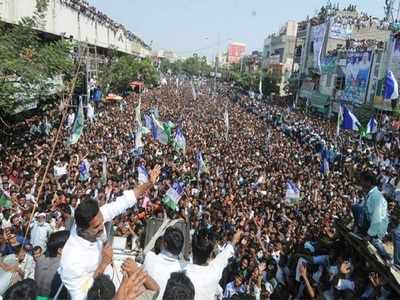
x: 84, y: 257
x: 70, y: 119
x: 40, y: 232
x: 16, y: 267
x: 160, y: 266
x: 204, y: 274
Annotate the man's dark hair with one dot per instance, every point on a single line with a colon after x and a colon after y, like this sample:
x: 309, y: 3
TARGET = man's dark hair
x: 368, y: 178
x: 158, y: 245
x: 202, y: 248
x: 36, y: 248
x: 102, y: 289
x: 241, y: 297
x: 57, y: 241
x: 179, y: 287
x: 173, y: 240
x: 65, y: 208
x: 85, y: 212
x: 23, y: 290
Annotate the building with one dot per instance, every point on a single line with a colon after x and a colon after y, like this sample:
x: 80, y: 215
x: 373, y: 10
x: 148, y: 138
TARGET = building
x: 235, y: 52
x: 252, y: 63
x: 165, y: 54
x: 79, y: 21
x: 343, y: 58
x: 279, y: 53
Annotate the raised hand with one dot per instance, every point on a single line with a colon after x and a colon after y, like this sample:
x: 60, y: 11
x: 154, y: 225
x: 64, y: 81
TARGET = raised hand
x: 155, y: 174
x: 131, y: 286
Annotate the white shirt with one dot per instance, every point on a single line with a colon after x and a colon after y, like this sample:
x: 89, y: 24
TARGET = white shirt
x: 90, y: 112
x: 70, y: 120
x: 40, y: 234
x: 80, y: 258
x: 206, y: 278
x: 160, y: 267
x: 28, y: 266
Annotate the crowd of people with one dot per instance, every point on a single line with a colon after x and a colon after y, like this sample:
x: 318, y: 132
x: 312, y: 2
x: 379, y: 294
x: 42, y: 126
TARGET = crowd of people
x: 96, y: 15
x: 350, y: 18
x: 247, y: 239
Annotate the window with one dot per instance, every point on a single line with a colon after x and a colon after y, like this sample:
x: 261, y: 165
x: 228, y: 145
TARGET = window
x: 340, y: 83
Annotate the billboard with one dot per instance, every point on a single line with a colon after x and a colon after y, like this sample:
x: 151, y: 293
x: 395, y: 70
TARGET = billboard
x: 358, y: 66
x: 395, y: 63
x: 339, y: 31
x: 328, y: 65
x: 318, y: 37
x: 235, y: 52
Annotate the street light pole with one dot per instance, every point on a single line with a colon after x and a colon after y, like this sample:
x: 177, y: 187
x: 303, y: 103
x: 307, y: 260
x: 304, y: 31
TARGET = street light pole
x: 216, y: 64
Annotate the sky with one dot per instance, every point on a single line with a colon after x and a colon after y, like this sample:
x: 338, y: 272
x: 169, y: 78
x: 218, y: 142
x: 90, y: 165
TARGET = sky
x: 207, y: 26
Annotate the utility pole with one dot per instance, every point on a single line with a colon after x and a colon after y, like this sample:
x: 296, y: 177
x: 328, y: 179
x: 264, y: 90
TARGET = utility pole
x: 216, y: 64
x: 389, y: 8
x: 303, y: 59
x: 91, y: 69
x: 398, y: 11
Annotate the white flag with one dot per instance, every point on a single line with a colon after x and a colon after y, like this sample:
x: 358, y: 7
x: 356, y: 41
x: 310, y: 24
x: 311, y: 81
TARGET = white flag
x: 226, y: 118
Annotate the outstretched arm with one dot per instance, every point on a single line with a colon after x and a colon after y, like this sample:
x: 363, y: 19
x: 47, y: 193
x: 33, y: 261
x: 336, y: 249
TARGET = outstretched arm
x: 129, y: 198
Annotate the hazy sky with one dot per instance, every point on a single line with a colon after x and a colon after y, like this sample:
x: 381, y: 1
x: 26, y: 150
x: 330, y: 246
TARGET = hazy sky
x: 189, y: 25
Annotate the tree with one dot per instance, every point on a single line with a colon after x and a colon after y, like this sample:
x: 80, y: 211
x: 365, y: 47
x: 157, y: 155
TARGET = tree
x: 291, y: 86
x: 192, y: 66
x: 251, y: 80
x: 364, y: 113
x: 270, y: 85
x: 28, y: 65
x: 116, y: 75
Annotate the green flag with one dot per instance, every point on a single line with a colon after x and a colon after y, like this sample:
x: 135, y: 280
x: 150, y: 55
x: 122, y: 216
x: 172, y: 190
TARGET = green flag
x: 5, y: 200
x: 363, y: 131
x: 159, y: 131
x: 77, y: 129
x: 168, y: 127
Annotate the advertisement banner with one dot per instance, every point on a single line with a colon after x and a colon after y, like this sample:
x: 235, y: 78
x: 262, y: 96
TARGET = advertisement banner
x: 339, y: 31
x: 395, y: 64
x: 235, y: 52
x: 328, y: 65
x: 318, y: 37
x: 357, y: 70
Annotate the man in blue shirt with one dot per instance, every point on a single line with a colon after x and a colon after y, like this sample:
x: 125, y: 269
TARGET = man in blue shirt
x: 235, y: 287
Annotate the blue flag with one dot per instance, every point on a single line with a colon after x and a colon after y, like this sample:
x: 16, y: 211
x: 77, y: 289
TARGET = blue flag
x: 324, y: 166
x: 179, y: 140
x: 84, y: 170
x: 391, y: 87
x: 350, y: 121
x: 148, y: 122
x: 173, y: 195
x: 372, y: 126
x: 292, y: 191
x: 201, y: 166
x: 143, y: 176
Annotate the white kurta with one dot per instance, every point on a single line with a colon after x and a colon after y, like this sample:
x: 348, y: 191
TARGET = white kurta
x: 160, y: 267
x: 206, y: 279
x: 80, y: 258
x: 40, y: 234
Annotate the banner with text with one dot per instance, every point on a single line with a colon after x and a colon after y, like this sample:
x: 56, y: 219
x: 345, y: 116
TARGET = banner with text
x: 339, y: 31
x: 318, y: 37
x: 357, y: 70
